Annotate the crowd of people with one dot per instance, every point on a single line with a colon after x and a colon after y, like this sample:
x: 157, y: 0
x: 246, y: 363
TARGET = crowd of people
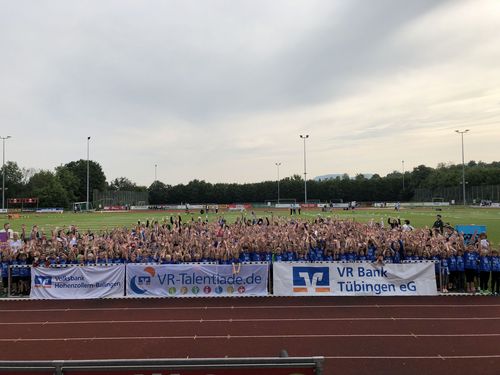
x: 465, y: 265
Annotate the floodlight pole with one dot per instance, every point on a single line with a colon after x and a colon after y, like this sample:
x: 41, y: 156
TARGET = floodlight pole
x: 462, y: 132
x: 304, y: 137
x: 88, y: 172
x: 156, y: 166
x: 278, y: 166
x: 3, y: 170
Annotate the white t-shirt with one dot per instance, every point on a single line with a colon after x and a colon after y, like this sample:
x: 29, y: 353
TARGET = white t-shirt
x: 15, y: 245
x: 485, y: 244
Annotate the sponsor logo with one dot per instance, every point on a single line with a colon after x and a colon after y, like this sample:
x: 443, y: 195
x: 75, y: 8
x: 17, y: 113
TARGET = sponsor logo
x: 207, y: 290
x: 218, y: 290
x: 137, y: 283
x: 184, y: 290
x: 230, y: 290
x: 172, y: 290
x: 241, y: 289
x: 195, y: 290
x: 43, y: 281
x: 311, y: 280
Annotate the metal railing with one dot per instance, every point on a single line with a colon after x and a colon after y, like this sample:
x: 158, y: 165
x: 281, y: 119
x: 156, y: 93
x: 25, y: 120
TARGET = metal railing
x: 229, y: 366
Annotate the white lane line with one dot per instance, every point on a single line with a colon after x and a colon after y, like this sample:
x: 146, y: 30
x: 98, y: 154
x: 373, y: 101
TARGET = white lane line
x: 228, y: 337
x: 249, y: 320
x: 246, y: 307
x: 440, y: 357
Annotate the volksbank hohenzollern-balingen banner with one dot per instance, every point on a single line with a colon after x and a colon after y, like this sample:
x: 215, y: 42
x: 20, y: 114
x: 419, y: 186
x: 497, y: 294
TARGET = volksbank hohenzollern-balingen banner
x: 75, y: 282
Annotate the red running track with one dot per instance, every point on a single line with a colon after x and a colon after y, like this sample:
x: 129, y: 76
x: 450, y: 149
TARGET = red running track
x: 378, y: 335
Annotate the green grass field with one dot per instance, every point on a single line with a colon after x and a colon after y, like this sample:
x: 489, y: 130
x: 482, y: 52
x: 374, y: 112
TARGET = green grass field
x: 419, y: 218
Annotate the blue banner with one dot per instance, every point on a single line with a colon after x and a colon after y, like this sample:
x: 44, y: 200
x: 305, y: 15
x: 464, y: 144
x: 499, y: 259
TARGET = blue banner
x: 470, y: 230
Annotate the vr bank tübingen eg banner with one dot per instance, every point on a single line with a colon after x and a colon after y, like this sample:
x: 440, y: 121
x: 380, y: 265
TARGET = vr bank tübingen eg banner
x: 354, y: 279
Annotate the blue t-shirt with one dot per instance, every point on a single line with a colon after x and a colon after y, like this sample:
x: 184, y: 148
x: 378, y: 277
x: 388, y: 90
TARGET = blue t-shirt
x: 484, y: 263
x: 470, y: 260
x: 301, y: 257
x: 267, y: 257
x: 495, y: 263
x: 15, y: 271
x: 320, y: 255
x: 460, y: 263
x: 255, y: 257
x: 351, y: 257
x: 445, y: 265
x: 245, y: 256
x: 5, y: 269
x: 370, y: 253
x: 452, y: 263
x: 24, y: 271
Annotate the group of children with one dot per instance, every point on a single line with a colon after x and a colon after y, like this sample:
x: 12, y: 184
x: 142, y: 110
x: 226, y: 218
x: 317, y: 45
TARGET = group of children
x: 461, y: 265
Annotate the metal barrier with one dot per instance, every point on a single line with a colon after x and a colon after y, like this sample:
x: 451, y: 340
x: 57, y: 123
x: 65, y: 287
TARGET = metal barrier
x: 226, y: 366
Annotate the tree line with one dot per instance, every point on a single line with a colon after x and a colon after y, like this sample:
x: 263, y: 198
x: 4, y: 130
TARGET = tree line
x: 68, y: 183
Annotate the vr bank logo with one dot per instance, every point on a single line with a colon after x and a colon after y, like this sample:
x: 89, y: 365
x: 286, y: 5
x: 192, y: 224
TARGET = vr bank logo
x: 43, y: 281
x: 138, y: 283
x: 311, y: 280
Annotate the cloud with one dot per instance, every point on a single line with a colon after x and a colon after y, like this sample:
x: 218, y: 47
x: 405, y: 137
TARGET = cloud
x: 221, y: 90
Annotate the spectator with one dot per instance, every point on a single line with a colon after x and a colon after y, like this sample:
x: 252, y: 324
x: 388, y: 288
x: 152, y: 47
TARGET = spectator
x: 438, y: 224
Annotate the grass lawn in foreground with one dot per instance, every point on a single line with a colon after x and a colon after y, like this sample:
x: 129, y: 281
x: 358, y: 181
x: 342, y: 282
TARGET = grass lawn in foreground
x: 419, y: 217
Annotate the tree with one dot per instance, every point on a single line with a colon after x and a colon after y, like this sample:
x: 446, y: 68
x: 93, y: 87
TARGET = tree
x: 49, y: 190
x: 13, y: 180
x: 124, y: 184
x: 97, y: 177
x: 158, y: 193
x: 69, y: 182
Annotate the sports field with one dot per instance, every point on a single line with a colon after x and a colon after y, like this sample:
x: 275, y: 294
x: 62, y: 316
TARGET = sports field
x: 419, y: 217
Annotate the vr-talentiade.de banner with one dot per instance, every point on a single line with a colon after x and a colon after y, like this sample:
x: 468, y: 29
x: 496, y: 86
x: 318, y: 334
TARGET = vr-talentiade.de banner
x: 77, y: 282
x: 202, y: 280
x: 354, y: 279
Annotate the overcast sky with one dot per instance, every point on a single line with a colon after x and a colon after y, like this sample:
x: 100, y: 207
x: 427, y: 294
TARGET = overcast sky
x: 221, y: 90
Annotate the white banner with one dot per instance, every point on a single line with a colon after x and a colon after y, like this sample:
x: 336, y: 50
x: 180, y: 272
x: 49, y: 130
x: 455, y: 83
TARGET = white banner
x: 202, y: 280
x: 77, y: 282
x: 353, y: 279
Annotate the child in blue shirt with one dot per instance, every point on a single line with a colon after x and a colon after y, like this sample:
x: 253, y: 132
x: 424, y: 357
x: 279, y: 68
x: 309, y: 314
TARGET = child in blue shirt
x: 445, y: 273
x: 4, y: 267
x: 452, y: 267
x: 484, y: 272
x: 470, y: 262
x: 495, y: 273
x: 351, y: 256
x: 24, y: 274
x: 460, y: 281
